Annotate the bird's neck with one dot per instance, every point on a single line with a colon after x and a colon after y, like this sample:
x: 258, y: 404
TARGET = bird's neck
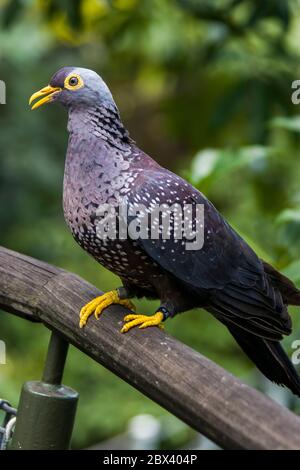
x: 102, y: 122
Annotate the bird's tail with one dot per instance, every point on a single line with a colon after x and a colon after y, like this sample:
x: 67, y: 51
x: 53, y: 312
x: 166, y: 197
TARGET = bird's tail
x: 269, y: 357
x: 288, y: 290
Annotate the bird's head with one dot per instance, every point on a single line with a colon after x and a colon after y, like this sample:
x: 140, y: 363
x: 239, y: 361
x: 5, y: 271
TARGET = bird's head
x: 73, y: 87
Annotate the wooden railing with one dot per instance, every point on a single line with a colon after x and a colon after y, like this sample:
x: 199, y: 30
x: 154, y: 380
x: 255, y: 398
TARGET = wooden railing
x: 190, y: 386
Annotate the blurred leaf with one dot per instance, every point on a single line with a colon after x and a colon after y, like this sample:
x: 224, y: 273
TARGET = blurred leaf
x: 288, y: 123
x: 289, y: 215
x: 204, y: 164
x: 289, y: 235
x: 215, y: 163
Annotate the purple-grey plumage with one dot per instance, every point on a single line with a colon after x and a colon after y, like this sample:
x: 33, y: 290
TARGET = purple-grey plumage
x: 225, y: 276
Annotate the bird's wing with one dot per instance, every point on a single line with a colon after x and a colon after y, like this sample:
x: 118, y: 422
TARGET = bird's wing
x: 223, y: 257
x: 242, y: 293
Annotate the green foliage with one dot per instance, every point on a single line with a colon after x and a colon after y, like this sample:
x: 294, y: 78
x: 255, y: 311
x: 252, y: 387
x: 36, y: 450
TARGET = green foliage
x: 211, y: 164
x: 204, y: 87
x: 288, y: 123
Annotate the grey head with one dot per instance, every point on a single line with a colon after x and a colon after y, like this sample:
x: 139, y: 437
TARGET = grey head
x: 75, y: 87
x: 80, y: 87
x: 89, y: 101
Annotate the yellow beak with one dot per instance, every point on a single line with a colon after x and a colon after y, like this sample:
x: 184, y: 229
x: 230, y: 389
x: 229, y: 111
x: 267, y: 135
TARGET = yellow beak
x: 47, y: 93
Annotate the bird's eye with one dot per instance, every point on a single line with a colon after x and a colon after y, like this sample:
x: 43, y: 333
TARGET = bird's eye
x: 73, y: 81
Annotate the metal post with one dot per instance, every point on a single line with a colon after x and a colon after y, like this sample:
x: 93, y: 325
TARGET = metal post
x: 46, y: 410
x: 55, y: 360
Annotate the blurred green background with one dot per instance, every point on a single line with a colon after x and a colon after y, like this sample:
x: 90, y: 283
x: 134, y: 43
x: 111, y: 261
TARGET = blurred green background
x: 205, y: 88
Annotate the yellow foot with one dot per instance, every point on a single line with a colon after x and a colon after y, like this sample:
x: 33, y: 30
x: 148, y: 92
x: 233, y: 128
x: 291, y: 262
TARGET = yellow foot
x: 98, y: 304
x: 143, y: 321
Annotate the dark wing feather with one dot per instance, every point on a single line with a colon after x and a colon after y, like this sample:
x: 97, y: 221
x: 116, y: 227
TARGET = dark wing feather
x: 224, y: 253
x: 241, y: 291
x: 269, y: 357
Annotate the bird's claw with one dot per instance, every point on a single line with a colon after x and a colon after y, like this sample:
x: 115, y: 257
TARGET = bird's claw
x: 144, y: 321
x: 97, y: 305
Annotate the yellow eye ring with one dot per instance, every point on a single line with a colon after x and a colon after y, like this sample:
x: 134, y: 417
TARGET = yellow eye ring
x: 73, y: 82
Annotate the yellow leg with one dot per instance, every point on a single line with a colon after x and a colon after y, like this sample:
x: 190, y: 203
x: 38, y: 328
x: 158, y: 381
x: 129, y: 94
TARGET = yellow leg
x: 143, y: 321
x: 98, y: 304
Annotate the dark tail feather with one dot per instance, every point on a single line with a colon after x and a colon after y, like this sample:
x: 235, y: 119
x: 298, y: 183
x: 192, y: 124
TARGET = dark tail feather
x: 288, y: 290
x: 269, y: 357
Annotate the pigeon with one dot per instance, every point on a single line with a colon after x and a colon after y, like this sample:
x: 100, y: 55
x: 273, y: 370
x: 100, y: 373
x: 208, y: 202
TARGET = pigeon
x: 160, y: 235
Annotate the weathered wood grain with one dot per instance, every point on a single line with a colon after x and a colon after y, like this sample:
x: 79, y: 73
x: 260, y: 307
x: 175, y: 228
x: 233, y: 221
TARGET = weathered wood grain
x: 183, y: 381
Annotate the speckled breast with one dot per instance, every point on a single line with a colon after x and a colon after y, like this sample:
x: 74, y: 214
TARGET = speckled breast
x: 88, y: 186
